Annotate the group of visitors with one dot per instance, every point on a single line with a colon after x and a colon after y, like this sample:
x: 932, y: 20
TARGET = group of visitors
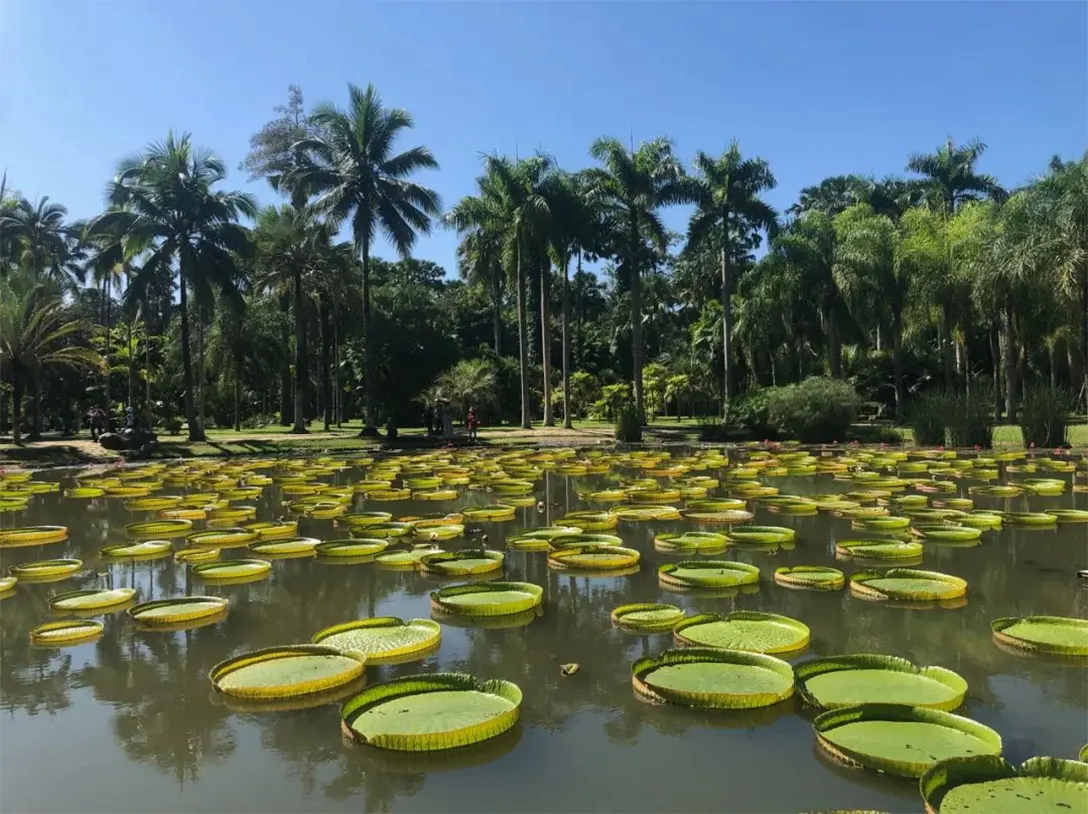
x: 99, y: 422
x: 438, y: 419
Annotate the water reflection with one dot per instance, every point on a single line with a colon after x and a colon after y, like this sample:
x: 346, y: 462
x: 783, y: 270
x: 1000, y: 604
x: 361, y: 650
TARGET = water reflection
x: 147, y: 692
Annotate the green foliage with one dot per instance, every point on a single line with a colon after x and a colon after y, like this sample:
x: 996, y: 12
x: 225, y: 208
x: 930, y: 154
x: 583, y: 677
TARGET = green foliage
x: 814, y: 411
x: 628, y: 427
x: 585, y: 389
x: 752, y: 412
x: 927, y: 419
x: 469, y: 383
x: 613, y: 396
x: 969, y: 419
x: 1044, y: 416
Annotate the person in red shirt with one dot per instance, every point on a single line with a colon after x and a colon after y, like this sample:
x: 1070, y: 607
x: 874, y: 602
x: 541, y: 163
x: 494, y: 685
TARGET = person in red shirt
x: 471, y: 422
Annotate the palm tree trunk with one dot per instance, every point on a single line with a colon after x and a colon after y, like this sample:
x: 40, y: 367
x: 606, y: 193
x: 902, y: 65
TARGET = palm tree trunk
x: 831, y: 329
x: 636, y: 319
x: 370, y: 425
x: 945, y: 331
x: 995, y: 359
x: 337, y: 395
x: 545, y: 340
x: 131, y: 399
x: 496, y: 305
x: 17, y: 407
x: 36, y: 416
x: 897, y: 361
x: 286, y: 406
x: 200, y: 365
x: 238, y: 395
x: 109, y: 408
x: 1010, y: 363
x: 727, y: 320
x: 326, y: 384
x: 196, y: 429
x: 523, y: 343
x: 566, y: 344
x: 301, y: 376
x: 147, y: 364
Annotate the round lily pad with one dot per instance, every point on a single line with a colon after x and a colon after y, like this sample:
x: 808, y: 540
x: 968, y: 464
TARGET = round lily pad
x: 761, y: 535
x: 68, y: 631
x: 91, y: 600
x: 233, y: 570
x: 843, y: 681
x: 404, y: 559
x: 148, y: 549
x: 1053, y: 635
x: 285, y: 672
x: 646, y: 617
x: 286, y: 548
x: 690, y: 542
x: 991, y: 785
x: 180, y: 610
x: 487, y: 599
x: 431, y: 712
x: 709, y: 677
x: 353, y: 547
x: 593, y: 558
x: 462, y: 563
x: 753, y: 631
x: 900, y: 740
x: 707, y: 574
x: 908, y: 584
x: 383, y: 639
x: 810, y: 577
x: 45, y: 570
x: 878, y: 550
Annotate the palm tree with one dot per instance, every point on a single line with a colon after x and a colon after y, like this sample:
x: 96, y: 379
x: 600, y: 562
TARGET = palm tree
x: 162, y: 203
x: 357, y: 176
x: 288, y: 243
x: 831, y: 196
x: 469, y: 383
x: 479, y: 262
x: 512, y: 209
x: 728, y: 204
x: 36, y: 334
x: 630, y: 188
x: 949, y: 176
x: 44, y: 243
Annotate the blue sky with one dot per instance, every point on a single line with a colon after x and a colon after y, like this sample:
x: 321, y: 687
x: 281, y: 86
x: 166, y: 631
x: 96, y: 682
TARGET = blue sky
x: 816, y: 88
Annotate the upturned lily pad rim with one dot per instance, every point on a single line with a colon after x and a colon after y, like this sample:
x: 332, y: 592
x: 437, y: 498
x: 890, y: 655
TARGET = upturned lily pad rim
x: 747, y: 574
x: 877, y: 661
x: 445, y: 563
x: 299, y: 688
x: 534, y: 598
x: 673, y: 615
x: 121, y: 597
x: 83, y: 630
x: 181, y: 616
x: 812, y: 577
x: 574, y: 558
x: 956, y: 586
x: 44, y: 569
x: 761, y: 534
x: 353, y: 547
x: 940, y: 778
x: 998, y: 628
x: 385, y: 692
x: 646, y: 690
x: 827, y: 721
x: 879, y: 550
x: 397, y: 655
x: 136, y: 549
x: 800, y: 628
x: 251, y: 567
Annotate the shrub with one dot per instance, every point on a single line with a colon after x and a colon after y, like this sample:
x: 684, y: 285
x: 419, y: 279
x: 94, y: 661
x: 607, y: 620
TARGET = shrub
x: 1044, y: 416
x: 927, y: 419
x: 750, y: 411
x: 613, y: 397
x: 628, y: 427
x: 969, y: 419
x: 814, y: 411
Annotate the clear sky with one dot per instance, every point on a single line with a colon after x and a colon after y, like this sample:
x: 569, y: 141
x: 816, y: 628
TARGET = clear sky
x: 816, y: 88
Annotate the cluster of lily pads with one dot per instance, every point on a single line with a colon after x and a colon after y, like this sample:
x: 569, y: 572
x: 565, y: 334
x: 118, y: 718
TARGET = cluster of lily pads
x: 877, y: 712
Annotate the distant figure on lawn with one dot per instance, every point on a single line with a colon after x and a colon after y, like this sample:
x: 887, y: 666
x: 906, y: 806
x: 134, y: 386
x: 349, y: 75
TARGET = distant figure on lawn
x: 470, y: 422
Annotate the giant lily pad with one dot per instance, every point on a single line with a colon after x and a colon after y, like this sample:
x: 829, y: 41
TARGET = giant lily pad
x: 876, y: 550
x: 383, y: 639
x: 145, y: 550
x: 405, y: 559
x: 286, y: 548
x: 179, y: 610
x: 761, y: 535
x: 462, y: 563
x: 354, y: 548
x: 707, y: 574
x: 285, y: 672
x: 753, y: 631
x: 646, y: 617
x: 593, y: 558
x: 233, y: 570
x: 900, y: 740
x: 690, y: 542
x: 843, y: 681
x: 908, y: 584
x: 32, y: 535
x: 991, y: 785
x: 487, y: 599
x: 810, y: 577
x: 431, y: 712
x: 709, y: 677
x: 66, y: 632
x: 1053, y: 635
x: 45, y: 570
x: 91, y: 600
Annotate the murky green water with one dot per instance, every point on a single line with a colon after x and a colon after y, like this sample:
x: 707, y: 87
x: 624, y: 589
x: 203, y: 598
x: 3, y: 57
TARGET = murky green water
x: 129, y: 722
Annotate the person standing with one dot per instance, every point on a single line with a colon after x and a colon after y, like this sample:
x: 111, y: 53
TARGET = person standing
x: 470, y: 421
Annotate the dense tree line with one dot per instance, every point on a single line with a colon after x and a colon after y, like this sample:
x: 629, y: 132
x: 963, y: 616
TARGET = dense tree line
x: 191, y: 303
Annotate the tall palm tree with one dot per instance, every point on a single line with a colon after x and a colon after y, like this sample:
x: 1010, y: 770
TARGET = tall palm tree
x: 630, y: 187
x: 163, y: 203
x: 356, y: 175
x: 512, y: 208
x: 43, y: 242
x: 479, y: 261
x: 727, y: 203
x: 949, y: 176
x: 37, y: 333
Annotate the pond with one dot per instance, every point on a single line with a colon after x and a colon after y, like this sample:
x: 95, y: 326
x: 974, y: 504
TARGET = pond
x: 129, y: 721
